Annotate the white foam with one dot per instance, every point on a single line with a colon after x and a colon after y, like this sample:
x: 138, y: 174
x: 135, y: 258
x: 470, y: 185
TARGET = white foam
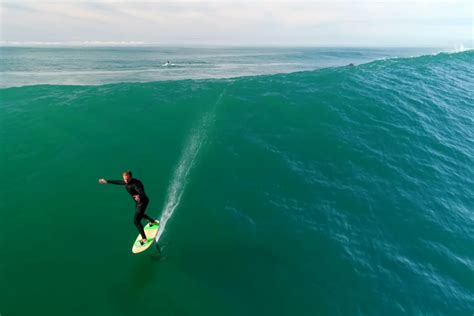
x: 459, y: 48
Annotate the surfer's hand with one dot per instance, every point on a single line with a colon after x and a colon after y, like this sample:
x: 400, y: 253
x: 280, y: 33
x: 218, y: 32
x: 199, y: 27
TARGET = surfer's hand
x: 136, y: 198
x: 102, y: 181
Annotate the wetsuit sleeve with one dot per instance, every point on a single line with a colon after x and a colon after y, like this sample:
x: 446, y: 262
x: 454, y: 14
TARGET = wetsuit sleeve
x: 119, y: 182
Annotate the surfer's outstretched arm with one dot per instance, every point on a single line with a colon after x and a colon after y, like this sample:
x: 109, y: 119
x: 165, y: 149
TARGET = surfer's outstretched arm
x: 119, y: 182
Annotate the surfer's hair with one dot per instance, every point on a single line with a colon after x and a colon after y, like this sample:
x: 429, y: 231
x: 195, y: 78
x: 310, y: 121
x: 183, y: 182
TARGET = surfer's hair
x: 127, y: 172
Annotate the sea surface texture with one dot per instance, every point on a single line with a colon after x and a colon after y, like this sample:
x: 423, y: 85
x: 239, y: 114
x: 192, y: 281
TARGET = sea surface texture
x: 287, y: 181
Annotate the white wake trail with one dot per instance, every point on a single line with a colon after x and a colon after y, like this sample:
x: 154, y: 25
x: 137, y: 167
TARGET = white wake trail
x: 191, y: 150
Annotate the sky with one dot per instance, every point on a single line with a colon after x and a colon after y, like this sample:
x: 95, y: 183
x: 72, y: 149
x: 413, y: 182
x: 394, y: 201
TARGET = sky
x: 413, y: 23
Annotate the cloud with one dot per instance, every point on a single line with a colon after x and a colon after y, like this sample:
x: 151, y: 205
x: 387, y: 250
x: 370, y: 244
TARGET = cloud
x: 314, y: 22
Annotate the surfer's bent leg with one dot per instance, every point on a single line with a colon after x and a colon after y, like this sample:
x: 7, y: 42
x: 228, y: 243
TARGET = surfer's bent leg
x: 139, y: 214
x: 145, y: 205
x: 149, y: 218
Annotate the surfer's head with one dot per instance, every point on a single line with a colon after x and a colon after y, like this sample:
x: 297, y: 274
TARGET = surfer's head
x: 127, y: 176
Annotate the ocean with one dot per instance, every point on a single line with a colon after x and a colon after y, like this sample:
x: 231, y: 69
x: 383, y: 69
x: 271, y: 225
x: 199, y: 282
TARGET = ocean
x: 287, y: 181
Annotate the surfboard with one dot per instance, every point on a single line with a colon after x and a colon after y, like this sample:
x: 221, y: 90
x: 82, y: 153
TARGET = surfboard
x: 150, y: 231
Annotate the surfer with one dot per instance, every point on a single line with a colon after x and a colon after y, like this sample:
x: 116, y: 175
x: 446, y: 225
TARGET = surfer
x: 135, y: 188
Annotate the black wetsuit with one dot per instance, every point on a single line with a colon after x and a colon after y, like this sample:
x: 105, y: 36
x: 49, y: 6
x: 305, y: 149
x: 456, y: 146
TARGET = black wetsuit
x: 135, y: 187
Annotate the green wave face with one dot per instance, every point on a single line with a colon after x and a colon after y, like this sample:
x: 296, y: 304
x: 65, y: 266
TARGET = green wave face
x: 340, y: 191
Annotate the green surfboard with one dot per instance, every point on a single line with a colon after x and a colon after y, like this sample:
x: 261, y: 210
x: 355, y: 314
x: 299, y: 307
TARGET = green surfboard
x: 151, y: 230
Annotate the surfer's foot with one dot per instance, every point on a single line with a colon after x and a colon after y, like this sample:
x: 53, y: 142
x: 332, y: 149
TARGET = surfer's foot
x: 143, y: 241
x: 154, y: 222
